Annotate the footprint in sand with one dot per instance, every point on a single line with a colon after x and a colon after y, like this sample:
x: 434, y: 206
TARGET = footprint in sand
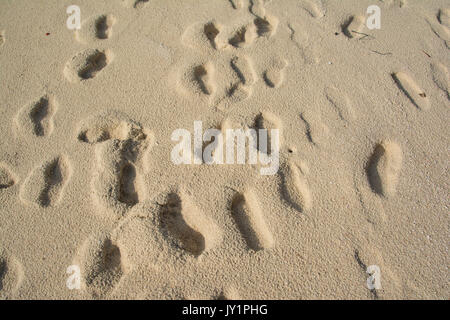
x: 302, y: 40
x: 87, y: 65
x: 200, y: 79
x: 102, y: 263
x: 274, y: 74
x: 341, y: 102
x: 36, y: 118
x: 353, y: 26
x: 249, y: 219
x: 316, y: 131
x: 2, y: 38
x: 444, y: 17
x: 96, y: 28
x: 198, y: 82
x: 244, y: 36
x: 266, y: 120
x: 440, y: 25
x: 237, y: 4
x: 315, y: 8
x: 295, y: 188
x: 266, y: 24
x: 136, y: 4
x: 7, y: 177
x: 383, y: 168
x: 241, y: 90
x: 412, y: 90
x: 441, y: 77
x: 11, y: 275
x: 121, y: 147
x: 45, y: 184
x: 368, y: 256
x: 186, y: 226
x: 205, y: 36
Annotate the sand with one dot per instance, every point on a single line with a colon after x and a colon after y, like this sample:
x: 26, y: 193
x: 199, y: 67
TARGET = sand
x: 87, y: 182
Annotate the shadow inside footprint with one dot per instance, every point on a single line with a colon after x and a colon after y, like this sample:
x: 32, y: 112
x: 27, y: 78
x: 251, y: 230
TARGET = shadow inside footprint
x: 172, y: 219
x: 128, y: 193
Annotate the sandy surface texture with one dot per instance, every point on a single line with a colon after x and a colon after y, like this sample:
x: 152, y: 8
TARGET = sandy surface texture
x: 90, y: 196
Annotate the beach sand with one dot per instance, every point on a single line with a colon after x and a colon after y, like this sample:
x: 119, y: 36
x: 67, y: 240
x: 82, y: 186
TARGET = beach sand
x: 90, y: 195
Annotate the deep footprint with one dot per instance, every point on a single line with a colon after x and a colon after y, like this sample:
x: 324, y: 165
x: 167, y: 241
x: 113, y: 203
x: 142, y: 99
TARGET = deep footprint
x: 36, y: 118
x: 102, y: 264
x: 45, y: 185
x: 87, y: 65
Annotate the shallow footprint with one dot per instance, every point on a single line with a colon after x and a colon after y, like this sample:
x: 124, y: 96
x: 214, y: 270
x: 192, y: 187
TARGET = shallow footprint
x: 2, y: 38
x: 313, y: 7
x: 45, y: 185
x: 87, y: 64
x: 384, y: 166
x: 295, y: 188
x: 11, y: 275
x: 36, y: 118
x: 341, y: 102
x: 316, y: 131
x: 248, y: 216
x: 441, y: 77
x: 412, y: 90
x: 274, y: 75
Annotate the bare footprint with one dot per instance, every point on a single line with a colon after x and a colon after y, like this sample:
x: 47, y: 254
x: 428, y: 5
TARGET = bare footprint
x: 7, y: 178
x: 244, y: 36
x: 301, y: 39
x: 384, y: 166
x: 365, y: 257
x: 274, y: 74
x: 248, y: 216
x: 295, y: 188
x: 87, y: 64
x: 353, y: 27
x: 45, y: 185
x: 412, y: 90
x: 11, y: 275
x: 203, y: 75
x: 316, y: 131
x: 341, y: 102
x: 266, y: 26
x: 96, y: 28
x: 441, y: 77
x: 205, y: 35
x: 121, y: 149
x: 103, y: 263
x: 315, y: 8
x: 186, y: 225
x: 36, y: 118
x: 197, y: 81
x: 243, y: 66
x: 266, y: 120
